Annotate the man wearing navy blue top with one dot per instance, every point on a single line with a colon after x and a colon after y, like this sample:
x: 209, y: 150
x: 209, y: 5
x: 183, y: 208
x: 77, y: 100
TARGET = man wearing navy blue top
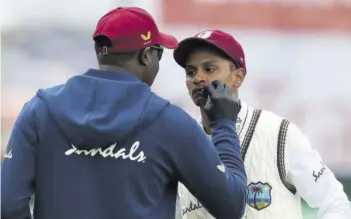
x: 103, y: 146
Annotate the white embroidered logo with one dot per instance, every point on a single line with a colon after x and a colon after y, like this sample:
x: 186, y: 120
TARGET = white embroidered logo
x: 221, y: 168
x: 205, y: 34
x: 132, y: 154
x: 8, y: 154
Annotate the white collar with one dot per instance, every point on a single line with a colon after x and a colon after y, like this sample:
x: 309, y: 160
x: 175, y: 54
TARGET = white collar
x: 242, y: 113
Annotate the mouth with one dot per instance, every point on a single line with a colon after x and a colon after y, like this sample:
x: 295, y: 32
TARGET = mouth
x: 197, y: 94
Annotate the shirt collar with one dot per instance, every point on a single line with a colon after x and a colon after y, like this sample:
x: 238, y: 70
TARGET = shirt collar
x: 242, y: 113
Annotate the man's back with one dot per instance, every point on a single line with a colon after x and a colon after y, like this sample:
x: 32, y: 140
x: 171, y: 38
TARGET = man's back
x: 94, y: 165
x: 104, y: 146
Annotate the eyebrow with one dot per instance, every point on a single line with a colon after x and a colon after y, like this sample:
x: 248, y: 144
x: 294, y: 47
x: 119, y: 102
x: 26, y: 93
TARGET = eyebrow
x: 203, y: 63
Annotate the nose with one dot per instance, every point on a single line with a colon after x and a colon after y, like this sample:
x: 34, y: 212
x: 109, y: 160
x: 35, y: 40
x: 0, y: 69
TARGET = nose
x: 198, y: 80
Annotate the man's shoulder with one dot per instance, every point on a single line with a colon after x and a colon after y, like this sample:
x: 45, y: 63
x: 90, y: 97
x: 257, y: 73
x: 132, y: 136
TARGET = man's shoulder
x: 34, y: 104
x: 30, y: 112
x: 271, y: 117
x: 263, y: 114
x: 176, y: 126
x: 177, y: 117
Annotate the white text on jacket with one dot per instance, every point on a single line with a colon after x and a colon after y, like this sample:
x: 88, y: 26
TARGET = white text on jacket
x: 132, y: 154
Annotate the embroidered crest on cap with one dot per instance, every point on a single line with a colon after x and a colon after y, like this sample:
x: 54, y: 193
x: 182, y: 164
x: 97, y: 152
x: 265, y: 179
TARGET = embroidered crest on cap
x: 205, y: 34
x: 147, y: 36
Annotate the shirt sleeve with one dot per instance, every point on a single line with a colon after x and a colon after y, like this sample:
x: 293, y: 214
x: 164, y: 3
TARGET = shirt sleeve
x: 313, y: 180
x: 18, y: 167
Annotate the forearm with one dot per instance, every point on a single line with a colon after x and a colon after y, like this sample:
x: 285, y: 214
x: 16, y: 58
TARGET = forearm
x: 228, y: 147
x: 220, y: 173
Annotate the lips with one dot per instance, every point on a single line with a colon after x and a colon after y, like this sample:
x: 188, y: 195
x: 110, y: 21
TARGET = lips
x: 197, y: 94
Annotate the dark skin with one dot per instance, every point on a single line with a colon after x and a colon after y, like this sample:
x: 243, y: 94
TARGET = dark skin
x: 205, y: 65
x: 143, y: 64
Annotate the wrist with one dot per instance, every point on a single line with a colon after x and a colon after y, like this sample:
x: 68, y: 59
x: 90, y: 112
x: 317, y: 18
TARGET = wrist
x: 222, y: 122
x: 223, y: 125
x: 217, y: 118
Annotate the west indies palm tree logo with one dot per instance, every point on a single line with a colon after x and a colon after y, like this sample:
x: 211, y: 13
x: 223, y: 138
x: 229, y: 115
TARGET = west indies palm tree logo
x: 259, y: 195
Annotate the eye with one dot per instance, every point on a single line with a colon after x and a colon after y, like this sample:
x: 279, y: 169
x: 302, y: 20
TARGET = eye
x: 209, y: 69
x: 190, y: 73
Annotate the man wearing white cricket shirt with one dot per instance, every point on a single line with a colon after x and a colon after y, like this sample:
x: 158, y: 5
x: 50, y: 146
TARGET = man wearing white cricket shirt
x: 280, y: 163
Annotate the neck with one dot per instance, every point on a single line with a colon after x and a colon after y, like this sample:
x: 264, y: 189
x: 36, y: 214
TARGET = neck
x: 205, y: 122
x: 120, y: 69
x: 113, y: 68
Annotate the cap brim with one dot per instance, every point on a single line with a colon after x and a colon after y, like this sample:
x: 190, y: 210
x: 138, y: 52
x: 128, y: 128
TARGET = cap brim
x: 168, y: 41
x: 186, y: 46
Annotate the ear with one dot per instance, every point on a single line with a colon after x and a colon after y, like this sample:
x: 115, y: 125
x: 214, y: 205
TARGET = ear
x: 144, y: 56
x: 238, y: 76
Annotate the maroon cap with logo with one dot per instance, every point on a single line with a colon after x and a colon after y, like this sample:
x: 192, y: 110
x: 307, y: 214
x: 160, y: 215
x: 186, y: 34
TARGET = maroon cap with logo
x: 130, y: 29
x: 219, y: 39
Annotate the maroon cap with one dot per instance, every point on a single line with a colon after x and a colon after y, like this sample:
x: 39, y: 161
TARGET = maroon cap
x: 130, y: 29
x: 219, y: 39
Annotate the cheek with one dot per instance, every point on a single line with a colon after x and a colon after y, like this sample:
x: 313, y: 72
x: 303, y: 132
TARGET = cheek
x: 224, y: 77
x: 212, y: 77
x: 156, y: 61
x: 189, y: 83
x: 228, y: 81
